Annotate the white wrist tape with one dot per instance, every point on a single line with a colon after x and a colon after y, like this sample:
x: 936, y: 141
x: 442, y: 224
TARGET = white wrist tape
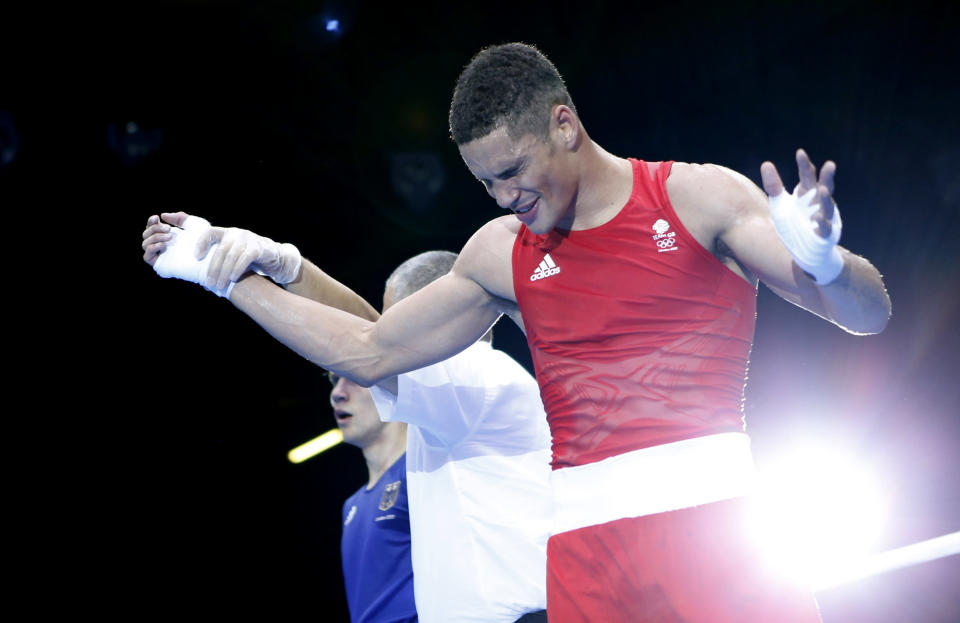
x: 178, y: 259
x: 812, y: 252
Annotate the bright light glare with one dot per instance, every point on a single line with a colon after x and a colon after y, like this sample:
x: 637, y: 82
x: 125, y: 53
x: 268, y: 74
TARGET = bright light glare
x: 818, y: 510
x: 315, y: 446
x: 333, y: 25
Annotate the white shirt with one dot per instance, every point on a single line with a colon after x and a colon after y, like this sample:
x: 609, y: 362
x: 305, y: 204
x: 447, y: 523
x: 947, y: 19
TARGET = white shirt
x: 478, y: 484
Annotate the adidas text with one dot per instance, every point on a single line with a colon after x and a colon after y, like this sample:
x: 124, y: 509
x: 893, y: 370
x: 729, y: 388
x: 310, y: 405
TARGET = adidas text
x: 547, y: 268
x: 538, y: 274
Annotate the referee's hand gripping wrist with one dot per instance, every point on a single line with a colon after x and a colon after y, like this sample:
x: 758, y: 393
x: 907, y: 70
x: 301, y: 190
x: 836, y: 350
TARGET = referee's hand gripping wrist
x: 240, y: 250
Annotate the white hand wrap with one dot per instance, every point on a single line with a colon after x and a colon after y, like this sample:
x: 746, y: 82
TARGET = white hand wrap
x: 179, y: 260
x: 280, y: 262
x: 812, y: 252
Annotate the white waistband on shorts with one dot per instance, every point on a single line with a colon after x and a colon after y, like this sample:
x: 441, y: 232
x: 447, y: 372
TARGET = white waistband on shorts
x: 653, y: 480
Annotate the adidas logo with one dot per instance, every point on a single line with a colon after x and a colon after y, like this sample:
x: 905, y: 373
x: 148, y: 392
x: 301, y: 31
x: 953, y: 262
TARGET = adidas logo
x: 547, y: 268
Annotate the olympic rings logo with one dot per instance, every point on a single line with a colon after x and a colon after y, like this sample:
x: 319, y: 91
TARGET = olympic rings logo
x: 666, y: 242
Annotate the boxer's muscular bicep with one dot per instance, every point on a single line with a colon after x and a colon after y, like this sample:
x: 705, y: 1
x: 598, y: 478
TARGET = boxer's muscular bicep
x: 433, y: 323
x: 728, y: 214
x: 454, y: 311
x: 748, y: 234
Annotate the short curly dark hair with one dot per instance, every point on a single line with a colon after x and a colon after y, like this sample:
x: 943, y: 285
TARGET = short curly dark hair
x: 513, y: 85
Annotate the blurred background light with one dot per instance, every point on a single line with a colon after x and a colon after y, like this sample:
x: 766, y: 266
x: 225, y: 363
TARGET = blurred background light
x: 315, y: 446
x: 133, y: 142
x: 332, y: 24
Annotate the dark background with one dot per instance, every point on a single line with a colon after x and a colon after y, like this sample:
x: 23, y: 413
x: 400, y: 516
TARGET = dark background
x: 170, y: 414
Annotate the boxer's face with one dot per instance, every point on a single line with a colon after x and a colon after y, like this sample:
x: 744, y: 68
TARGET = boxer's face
x: 535, y: 179
x: 355, y: 412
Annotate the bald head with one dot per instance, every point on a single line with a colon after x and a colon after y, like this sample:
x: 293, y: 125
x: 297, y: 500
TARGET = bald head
x: 416, y: 273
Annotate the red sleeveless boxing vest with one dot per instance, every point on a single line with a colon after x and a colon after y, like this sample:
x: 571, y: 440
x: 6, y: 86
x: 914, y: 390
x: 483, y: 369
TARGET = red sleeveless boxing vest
x: 639, y: 335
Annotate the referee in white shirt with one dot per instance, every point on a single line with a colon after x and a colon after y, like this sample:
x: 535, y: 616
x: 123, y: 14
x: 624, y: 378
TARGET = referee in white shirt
x: 478, y: 472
